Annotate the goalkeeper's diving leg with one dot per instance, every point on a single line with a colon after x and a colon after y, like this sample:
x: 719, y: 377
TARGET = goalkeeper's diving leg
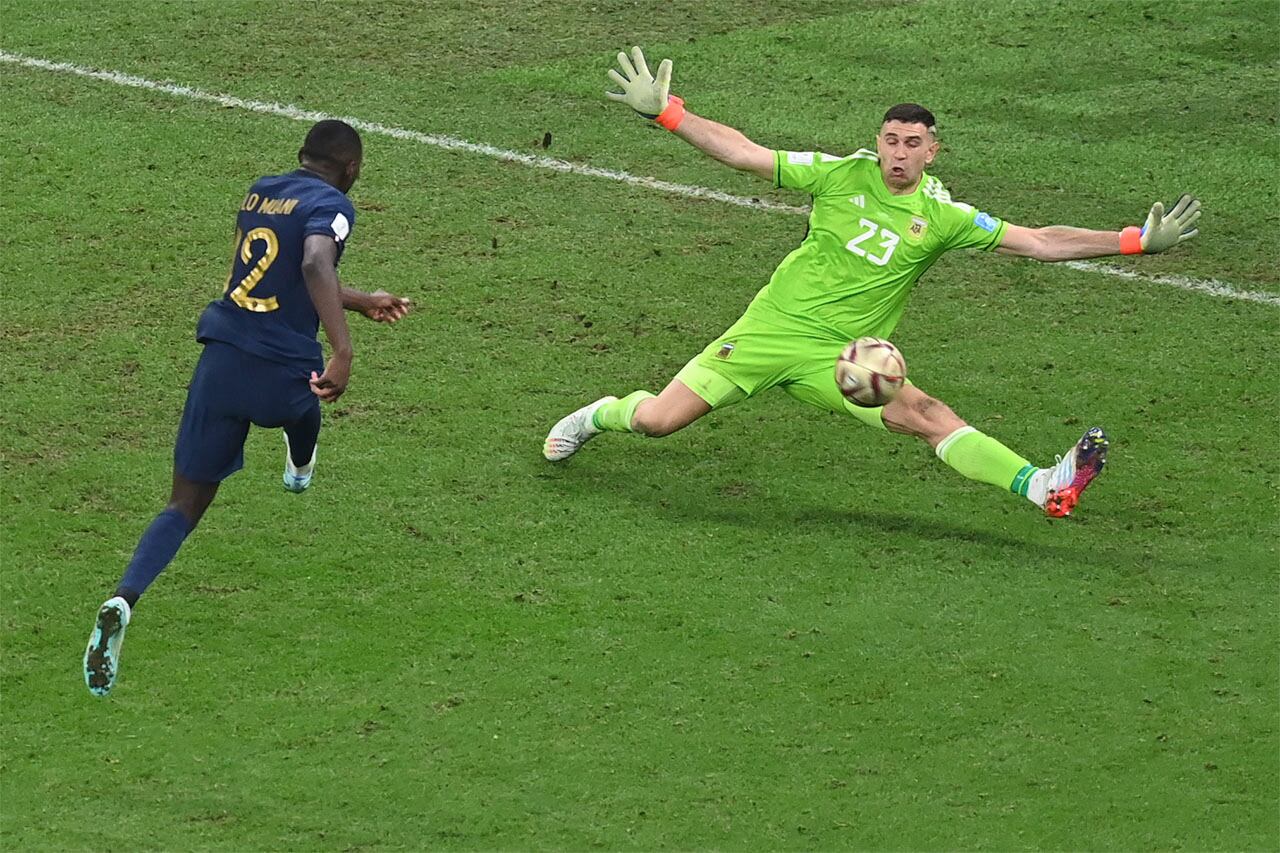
x: 640, y: 411
x: 980, y: 457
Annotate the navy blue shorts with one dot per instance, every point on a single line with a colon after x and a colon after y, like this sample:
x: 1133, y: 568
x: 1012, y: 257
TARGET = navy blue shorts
x: 230, y: 390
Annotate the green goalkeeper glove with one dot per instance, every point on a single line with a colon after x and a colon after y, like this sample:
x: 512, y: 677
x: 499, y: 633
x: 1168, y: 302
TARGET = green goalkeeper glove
x: 640, y: 90
x: 1162, y: 230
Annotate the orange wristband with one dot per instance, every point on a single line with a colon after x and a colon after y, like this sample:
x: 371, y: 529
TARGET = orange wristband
x: 671, y: 117
x: 1131, y: 241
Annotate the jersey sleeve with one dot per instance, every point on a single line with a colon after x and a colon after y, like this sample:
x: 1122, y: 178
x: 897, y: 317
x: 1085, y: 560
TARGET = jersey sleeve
x: 803, y: 170
x: 970, y: 228
x: 333, y: 219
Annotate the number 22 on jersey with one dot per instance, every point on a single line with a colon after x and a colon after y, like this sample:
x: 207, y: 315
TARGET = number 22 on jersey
x: 240, y: 295
x: 888, y: 242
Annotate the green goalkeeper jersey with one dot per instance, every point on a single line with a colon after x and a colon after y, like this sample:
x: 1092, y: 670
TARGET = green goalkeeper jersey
x: 865, y: 248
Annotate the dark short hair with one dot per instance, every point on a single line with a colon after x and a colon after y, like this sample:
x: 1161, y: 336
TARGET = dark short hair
x: 332, y: 140
x: 910, y: 114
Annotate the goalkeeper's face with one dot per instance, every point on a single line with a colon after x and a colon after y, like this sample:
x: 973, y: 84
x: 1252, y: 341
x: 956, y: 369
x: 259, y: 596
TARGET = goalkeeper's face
x: 906, y: 150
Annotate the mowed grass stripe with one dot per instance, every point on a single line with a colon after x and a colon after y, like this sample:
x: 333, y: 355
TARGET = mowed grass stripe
x: 1210, y: 287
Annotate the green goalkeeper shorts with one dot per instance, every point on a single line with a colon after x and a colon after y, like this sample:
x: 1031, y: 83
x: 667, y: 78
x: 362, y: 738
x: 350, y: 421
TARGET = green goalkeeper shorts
x: 754, y: 355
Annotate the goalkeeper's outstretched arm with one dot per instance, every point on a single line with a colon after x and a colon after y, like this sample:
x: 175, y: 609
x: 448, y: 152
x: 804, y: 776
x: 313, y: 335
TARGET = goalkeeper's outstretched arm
x: 726, y: 144
x: 1161, y: 232
x: 651, y: 97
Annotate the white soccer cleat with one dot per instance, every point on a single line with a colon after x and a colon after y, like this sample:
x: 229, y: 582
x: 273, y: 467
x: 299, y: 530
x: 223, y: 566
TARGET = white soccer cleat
x: 102, y: 655
x: 573, y: 431
x: 297, y: 479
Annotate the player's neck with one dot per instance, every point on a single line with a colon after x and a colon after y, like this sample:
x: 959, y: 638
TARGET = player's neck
x: 901, y: 190
x: 325, y: 175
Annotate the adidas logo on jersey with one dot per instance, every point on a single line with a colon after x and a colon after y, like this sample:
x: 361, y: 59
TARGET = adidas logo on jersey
x: 860, y: 200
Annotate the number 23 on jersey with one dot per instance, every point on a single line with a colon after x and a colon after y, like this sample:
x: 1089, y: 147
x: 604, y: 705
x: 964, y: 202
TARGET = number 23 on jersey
x: 878, y: 253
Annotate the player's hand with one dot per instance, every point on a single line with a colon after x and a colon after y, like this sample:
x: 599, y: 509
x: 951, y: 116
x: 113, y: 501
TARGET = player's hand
x: 385, y: 308
x: 329, y: 385
x: 640, y: 90
x: 1166, y: 230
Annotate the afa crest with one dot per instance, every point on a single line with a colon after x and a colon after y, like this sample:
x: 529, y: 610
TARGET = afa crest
x: 918, y: 227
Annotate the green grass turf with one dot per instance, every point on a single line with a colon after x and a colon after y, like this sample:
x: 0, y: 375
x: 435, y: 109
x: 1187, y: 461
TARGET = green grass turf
x: 775, y: 630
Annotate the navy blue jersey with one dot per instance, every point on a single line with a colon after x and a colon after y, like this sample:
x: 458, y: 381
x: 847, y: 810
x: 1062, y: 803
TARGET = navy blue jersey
x: 266, y: 310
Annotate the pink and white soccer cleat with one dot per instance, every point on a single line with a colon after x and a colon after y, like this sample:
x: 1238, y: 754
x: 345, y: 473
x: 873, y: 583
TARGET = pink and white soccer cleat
x: 1067, y: 480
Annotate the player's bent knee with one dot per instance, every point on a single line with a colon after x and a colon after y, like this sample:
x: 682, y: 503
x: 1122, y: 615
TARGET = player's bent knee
x: 671, y: 411
x: 654, y: 427
x: 652, y: 419
x: 192, y: 499
x: 657, y: 422
x: 192, y: 513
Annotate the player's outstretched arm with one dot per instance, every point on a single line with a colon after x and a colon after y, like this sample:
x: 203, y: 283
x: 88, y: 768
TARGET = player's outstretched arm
x: 320, y: 272
x: 651, y: 97
x: 379, y: 306
x: 1161, y: 232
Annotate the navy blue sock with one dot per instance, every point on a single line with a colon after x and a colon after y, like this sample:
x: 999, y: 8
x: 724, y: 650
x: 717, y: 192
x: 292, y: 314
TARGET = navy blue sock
x: 303, y: 434
x: 156, y: 549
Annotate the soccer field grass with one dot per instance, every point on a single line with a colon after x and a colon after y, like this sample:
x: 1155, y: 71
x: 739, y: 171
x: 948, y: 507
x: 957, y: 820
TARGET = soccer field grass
x: 774, y: 630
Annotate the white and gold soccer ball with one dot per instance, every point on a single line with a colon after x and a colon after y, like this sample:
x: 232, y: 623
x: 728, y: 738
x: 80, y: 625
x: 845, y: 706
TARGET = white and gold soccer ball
x: 870, y: 372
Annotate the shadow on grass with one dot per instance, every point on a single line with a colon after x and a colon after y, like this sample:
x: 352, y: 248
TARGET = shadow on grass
x: 698, y: 495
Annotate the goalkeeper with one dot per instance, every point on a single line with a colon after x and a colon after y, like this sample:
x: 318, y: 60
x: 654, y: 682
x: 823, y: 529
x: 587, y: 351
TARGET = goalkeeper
x: 878, y: 222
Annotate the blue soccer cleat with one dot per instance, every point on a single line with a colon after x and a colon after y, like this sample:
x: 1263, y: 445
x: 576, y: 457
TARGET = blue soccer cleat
x: 102, y: 655
x: 297, y: 479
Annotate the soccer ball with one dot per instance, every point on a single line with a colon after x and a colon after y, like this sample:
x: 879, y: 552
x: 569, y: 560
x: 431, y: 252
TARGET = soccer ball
x: 870, y: 372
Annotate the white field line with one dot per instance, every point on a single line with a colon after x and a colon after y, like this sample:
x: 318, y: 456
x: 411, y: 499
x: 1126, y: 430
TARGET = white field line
x: 453, y: 143
x: 1199, y: 285
x: 450, y: 143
